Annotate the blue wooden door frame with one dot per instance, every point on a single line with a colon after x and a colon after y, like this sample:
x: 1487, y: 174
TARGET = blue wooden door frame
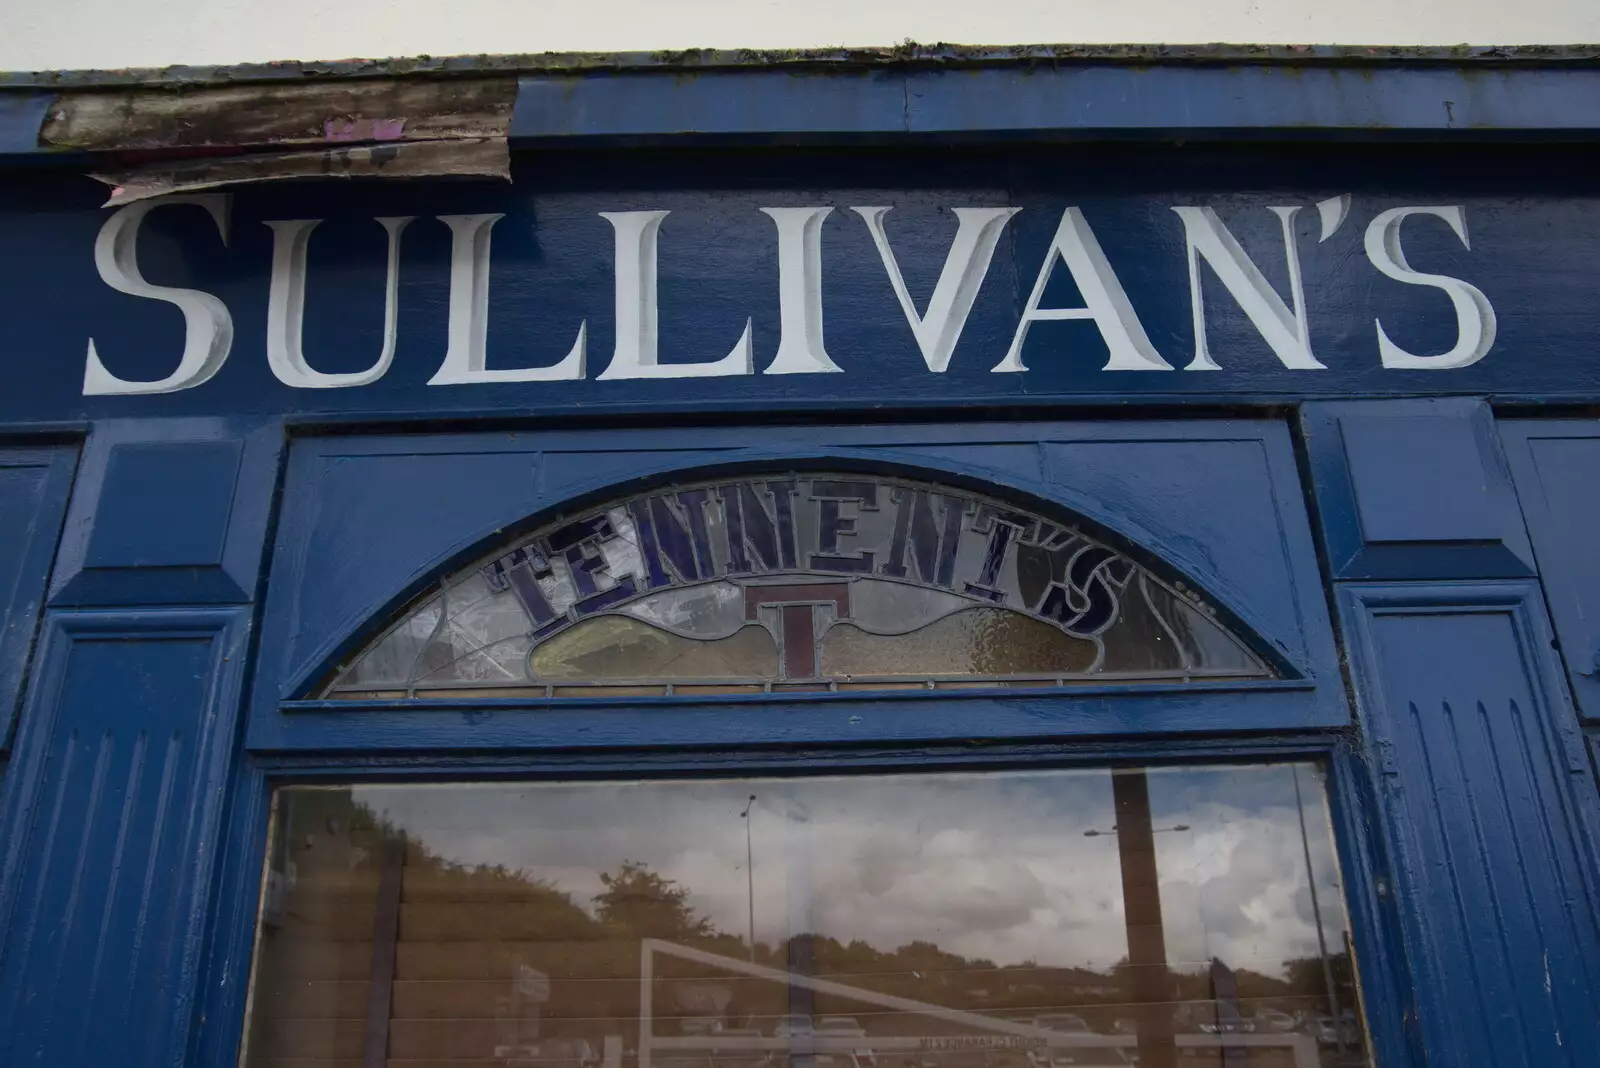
x: 1218, y: 500
x: 297, y: 740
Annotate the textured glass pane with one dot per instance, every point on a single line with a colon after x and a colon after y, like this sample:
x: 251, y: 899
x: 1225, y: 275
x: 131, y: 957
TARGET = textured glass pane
x: 714, y: 610
x: 1186, y: 916
x: 616, y: 647
x: 810, y: 579
x: 894, y: 608
x: 482, y: 617
x: 501, y: 663
x: 393, y: 659
x: 979, y: 641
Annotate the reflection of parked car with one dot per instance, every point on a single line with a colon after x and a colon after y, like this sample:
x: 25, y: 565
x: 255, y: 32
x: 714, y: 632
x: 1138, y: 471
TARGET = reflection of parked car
x: 847, y: 1027
x: 1274, y: 1021
x: 1069, y: 1022
x: 793, y: 1026
x: 1212, y: 1018
x: 699, y: 1025
x: 735, y: 1057
x: 1229, y: 1025
x: 1331, y: 1032
x: 550, y: 1053
x: 840, y: 1026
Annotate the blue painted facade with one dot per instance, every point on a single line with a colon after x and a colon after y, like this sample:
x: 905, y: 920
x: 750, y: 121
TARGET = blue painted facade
x: 1411, y: 547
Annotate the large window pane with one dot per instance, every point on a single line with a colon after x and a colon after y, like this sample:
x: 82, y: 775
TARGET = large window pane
x: 1027, y: 919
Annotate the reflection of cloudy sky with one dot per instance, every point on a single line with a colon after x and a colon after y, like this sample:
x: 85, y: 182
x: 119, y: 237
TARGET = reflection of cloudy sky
x: 984, y: 865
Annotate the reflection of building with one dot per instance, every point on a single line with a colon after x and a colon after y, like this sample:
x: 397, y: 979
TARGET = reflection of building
x: 929, y: 433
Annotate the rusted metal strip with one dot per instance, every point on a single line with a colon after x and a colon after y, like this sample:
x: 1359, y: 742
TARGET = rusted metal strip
x: 314, y: 114
x: 416, y: 159
x: 385, y: 938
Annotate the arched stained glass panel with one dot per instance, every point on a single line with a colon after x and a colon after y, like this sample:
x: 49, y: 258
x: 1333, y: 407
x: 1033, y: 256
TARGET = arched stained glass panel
x: 801, y: 581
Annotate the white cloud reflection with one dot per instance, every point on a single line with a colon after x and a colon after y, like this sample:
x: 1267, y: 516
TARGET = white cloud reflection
x: 993, y: 866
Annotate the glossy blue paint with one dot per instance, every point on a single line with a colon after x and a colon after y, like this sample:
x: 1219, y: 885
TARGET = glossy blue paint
x: 1490, y: 807
x: 1260, y: 99
x: 34, y: 484
x: 583, y: 723
x: 552, y: 267
x: 169, y: 512
x: 1053, y: 100
x: 146, y: 486
x: 1414, y: 489
x: 1556, y: 463
x: 1217, y: 502
x: 21, y: 114
x: 763, y: 104
x: 1388, y: 989
x: 109, y: 831
x: 1465, y: 810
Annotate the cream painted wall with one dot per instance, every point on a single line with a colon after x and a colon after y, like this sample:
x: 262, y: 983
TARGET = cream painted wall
x: 40, y: 35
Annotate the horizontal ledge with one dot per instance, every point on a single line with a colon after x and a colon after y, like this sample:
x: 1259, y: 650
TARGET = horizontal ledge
x: 802, y: 411
x: 573, y: 725
x: 837, y: 102
x: 1059, y: 100
x: 907, y: 55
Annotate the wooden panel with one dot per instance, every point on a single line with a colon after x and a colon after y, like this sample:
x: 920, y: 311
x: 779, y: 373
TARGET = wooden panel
x: 1414, y: 489
x: 173, y: 512
x: 108, y: 842
x: 1556, y: 464
x: 1490, y: 802
x: 34, y: 484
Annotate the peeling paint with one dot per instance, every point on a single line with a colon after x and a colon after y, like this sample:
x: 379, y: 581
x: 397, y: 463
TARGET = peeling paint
x: 279, y: 116
x: 345, y: 129
x: 483, y: 158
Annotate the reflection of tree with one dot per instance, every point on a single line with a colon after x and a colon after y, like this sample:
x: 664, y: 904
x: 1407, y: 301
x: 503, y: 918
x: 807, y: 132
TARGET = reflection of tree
x: 642, y: 904
x: 477, y: 942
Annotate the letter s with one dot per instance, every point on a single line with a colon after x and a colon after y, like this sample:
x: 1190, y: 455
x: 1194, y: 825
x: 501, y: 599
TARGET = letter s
x: 1475, y: 321
x: 208, y: 328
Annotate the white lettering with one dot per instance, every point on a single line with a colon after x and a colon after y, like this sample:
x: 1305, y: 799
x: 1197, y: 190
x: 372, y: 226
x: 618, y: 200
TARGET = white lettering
x: 637, y: 354
x: 286, y: 306
x: 978, y: 231
x: 1475, y: 318
x: 1287, y: 333
x: 466, y: 357
x: 800, y: 348
x: 1105, y: 301
x: 207, y: 326
x: 1332, y: 213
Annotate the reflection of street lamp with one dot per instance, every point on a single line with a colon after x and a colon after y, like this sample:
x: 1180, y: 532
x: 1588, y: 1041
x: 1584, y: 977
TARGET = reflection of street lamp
x: 1316, y: 913
x: 749, y: 874
x: 1179, y: 828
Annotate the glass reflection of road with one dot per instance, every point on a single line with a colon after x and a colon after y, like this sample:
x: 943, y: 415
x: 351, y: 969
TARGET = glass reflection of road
x: 974, y: 1044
